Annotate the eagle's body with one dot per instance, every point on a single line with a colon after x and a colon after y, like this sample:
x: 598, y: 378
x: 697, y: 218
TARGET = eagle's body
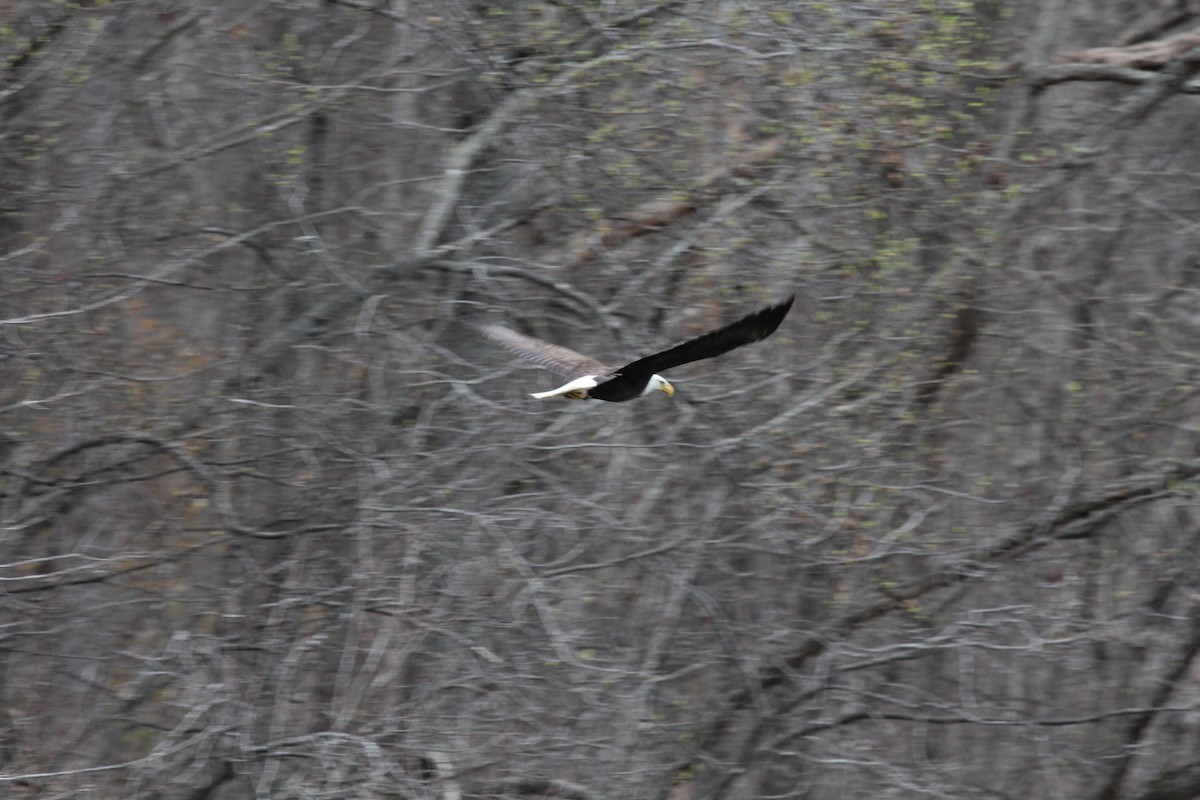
x: 591, y: 380
x: 604, y: 387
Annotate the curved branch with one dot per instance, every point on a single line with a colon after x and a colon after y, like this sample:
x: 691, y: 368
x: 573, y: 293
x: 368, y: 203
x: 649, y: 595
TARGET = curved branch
x: 1042, y: 77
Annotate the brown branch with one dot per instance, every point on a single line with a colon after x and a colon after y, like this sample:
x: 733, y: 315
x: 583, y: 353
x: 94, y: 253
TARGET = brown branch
x: 960, y: 339
x: 1146, y: 55
x: 658, y: 213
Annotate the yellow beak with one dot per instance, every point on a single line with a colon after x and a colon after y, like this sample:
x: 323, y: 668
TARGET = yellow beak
x: 668, y: 388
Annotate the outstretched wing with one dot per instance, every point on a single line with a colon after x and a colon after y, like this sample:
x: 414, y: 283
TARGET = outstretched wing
x: 562, y: 360
x: 747, y: 330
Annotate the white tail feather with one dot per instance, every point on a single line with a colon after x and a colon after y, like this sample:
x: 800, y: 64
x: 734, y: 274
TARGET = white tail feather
x: 577, y: 385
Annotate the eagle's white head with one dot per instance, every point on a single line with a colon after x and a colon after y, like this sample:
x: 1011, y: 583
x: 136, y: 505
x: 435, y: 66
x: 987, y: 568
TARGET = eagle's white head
x: 659, y: 384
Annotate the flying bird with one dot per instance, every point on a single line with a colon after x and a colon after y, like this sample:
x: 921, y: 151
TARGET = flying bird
x: 591, y: 380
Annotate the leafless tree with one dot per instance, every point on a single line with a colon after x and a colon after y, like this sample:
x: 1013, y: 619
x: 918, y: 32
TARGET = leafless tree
x: 277, y: 523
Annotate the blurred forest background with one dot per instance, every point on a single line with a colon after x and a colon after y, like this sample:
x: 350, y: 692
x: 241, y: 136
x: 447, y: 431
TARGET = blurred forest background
x: 277, y: 524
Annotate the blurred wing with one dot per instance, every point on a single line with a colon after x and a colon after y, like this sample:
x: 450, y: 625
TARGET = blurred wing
x: 747, y: 330
x: 562, y: 360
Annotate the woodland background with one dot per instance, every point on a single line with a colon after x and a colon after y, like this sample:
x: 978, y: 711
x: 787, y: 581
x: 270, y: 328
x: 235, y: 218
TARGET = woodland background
x: 275, y: 523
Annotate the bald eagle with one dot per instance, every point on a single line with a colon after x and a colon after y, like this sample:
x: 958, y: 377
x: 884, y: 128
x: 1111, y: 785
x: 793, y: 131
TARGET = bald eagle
x: 591, y: 380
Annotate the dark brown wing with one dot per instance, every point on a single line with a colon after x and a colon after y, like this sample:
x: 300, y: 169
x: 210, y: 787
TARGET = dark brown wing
x: 747, y: 330
x: 562, y: 360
